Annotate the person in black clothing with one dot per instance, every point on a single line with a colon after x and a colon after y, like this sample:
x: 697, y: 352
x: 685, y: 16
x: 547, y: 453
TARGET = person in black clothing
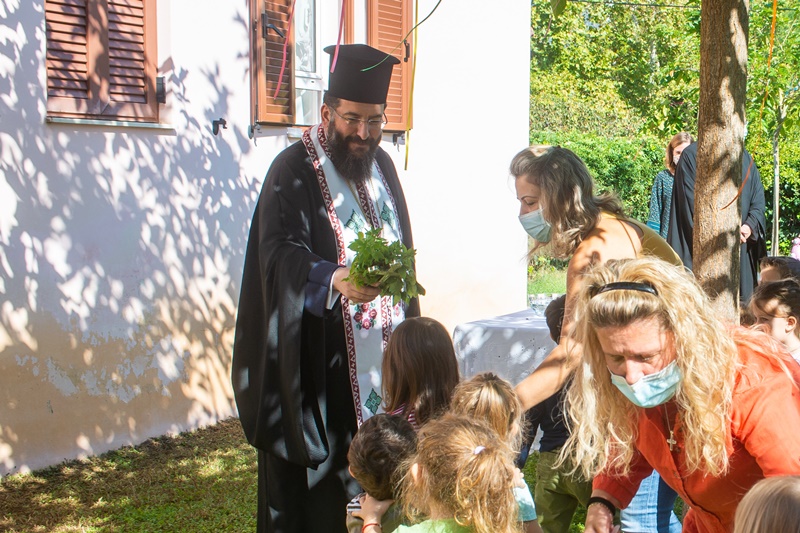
x: 754, y: 223
x: 309, y: 343
x: 557, y: 492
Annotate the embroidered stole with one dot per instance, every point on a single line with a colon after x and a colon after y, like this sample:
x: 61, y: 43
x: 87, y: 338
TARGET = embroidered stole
x: 367, y: 325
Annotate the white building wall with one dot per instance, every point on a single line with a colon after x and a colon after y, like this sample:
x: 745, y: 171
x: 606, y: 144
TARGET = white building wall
x: 471, y: 100
x: 121, y: 248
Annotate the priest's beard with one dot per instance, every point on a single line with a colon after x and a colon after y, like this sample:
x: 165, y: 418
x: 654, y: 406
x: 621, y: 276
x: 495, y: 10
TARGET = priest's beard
x: 352, y: 166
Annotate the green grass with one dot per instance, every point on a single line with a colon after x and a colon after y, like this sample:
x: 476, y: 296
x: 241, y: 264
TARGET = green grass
x: 198, y: 481
x: 546, y: 274
x: 203, y: 480
x: 548, y: 282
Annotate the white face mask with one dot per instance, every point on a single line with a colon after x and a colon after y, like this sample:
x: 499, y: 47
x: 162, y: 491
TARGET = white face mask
x: 536, y: 226
x: 652, y: 390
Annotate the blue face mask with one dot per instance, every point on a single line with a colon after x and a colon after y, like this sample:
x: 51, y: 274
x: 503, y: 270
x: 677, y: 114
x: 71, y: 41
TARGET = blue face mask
x: 536, y: 226
x: 652, y: 390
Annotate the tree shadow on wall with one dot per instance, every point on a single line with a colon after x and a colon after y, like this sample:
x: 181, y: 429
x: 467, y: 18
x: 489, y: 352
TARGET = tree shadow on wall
x: 121, y: 251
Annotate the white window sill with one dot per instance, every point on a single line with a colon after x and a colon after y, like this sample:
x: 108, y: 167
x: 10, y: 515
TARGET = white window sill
x: 110, y: 123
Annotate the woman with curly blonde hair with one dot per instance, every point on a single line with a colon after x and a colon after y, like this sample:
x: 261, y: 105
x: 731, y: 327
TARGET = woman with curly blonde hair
x: 665, y: 385
x: 558, y: 205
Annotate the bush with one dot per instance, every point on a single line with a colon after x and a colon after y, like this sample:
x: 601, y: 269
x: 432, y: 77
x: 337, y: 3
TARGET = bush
x: 626, y: 166
x: 546, y: 274
x: 789, y: 192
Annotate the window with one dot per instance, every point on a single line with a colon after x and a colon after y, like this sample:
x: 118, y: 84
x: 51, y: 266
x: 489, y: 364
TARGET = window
x: 308, y: 66
x: 299, y: 97
x: 389, y: 21
x: 101, y: 59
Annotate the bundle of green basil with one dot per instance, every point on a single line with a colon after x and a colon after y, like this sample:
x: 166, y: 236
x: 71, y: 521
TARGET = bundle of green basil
x: 389, y: 266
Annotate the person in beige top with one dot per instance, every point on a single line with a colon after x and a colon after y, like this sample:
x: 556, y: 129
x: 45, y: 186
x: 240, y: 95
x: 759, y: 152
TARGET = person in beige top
x: 558, y: 206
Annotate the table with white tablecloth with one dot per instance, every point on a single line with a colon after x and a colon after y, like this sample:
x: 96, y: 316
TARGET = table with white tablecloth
x: 511, y: 345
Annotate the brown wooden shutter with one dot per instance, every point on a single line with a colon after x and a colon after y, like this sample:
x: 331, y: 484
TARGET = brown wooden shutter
x: 268, y: 59
x: 101, y: 59
x: 388, y: 23
x: 67, y: 56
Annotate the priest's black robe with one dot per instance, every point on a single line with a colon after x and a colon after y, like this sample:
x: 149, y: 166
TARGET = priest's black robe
x: 290, y: 367
x: 681, y: 227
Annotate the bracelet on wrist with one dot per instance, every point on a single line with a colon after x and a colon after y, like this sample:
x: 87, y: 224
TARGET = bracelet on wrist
x: 365, y: 526
x: 604, y: 502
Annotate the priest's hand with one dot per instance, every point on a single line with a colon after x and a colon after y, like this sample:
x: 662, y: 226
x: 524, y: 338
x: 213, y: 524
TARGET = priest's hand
x: 355, y: 293
x: 746, y: 232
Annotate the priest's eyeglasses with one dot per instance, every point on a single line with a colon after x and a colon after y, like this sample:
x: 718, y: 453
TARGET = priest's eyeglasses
x: 373, y: 124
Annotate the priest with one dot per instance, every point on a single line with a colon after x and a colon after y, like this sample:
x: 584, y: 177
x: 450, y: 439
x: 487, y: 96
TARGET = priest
x: 309, y: 342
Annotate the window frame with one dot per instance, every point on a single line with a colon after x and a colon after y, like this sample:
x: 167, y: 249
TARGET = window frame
x: 266, y: 57
x: 101, y: 60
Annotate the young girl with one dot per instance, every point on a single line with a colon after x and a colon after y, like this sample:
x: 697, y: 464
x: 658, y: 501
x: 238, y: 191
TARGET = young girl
x: 776, y: 309
x: 458, y: 479
x: 492, y: 399
x: 419, y: 370
x: 771, y: 506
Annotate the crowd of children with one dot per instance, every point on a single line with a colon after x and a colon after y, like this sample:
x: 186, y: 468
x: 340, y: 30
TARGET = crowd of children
x: 442, y: 457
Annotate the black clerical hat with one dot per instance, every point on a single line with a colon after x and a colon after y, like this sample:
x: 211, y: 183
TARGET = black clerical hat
x: 349, y: 80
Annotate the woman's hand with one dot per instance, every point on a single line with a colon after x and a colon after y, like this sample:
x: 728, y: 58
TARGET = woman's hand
x: 372, y: 510
x: 599, y: 520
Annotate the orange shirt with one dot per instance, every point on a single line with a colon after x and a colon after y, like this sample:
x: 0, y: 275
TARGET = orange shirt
x: 764, y: 441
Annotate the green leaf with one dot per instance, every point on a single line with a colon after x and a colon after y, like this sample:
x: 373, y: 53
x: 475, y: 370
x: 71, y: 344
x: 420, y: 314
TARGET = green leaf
x: 558, y: 6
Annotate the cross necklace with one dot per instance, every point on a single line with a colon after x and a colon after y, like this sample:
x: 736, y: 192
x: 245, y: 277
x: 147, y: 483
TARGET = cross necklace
x: 671, y: 440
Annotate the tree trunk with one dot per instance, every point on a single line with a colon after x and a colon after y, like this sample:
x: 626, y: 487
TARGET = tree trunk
x: 721, y: 121
x: 776, y: 175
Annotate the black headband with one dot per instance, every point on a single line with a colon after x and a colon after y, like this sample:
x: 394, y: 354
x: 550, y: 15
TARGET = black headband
x: 626, y: 286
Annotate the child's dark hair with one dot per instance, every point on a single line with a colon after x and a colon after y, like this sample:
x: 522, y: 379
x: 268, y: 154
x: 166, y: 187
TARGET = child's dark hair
x: 787, y: 267
x: 554, y: 316
x: 419, y: 369
x: 785, y: 293
x: 378, y: 448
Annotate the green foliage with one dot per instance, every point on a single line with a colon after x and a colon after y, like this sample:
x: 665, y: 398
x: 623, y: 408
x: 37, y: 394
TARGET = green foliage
x: 789, y: 190
x: 559, y: 104
x: 773, y: 111
x: 614, y: 82
x: 388, y: 266
x: 625, y: 166
x: 774, y: 86
x: 614, y: 69
x: 630, y: 76
x: 546, y: 274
